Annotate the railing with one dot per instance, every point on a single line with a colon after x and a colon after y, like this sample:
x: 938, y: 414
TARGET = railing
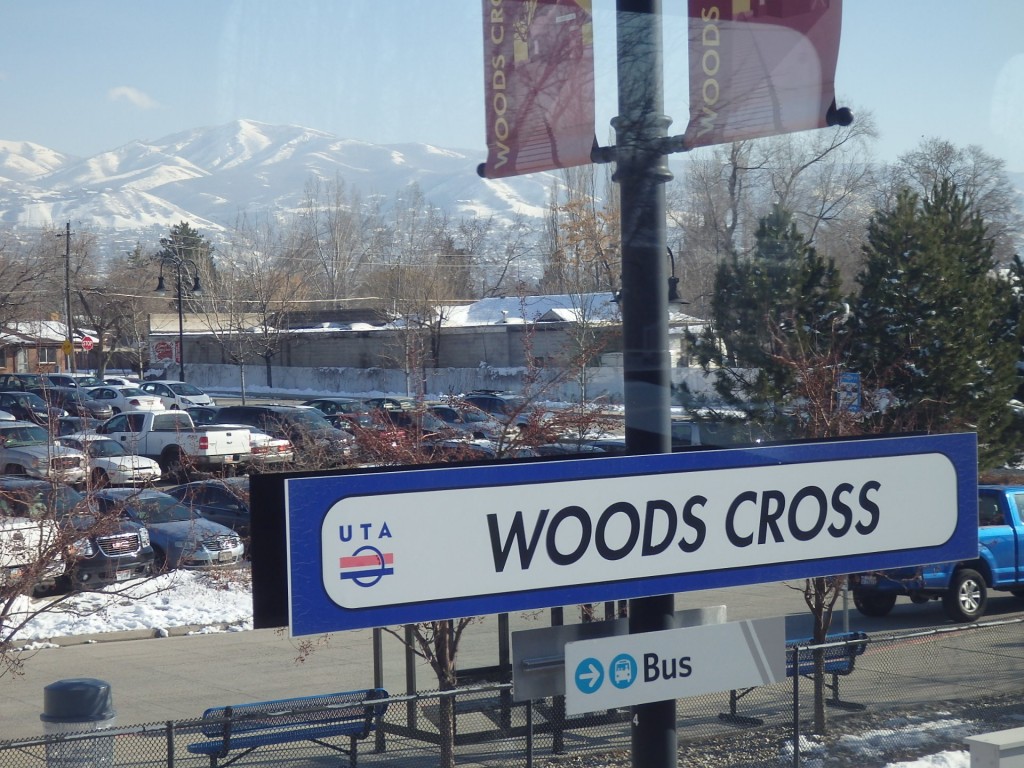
x: 966, y: 679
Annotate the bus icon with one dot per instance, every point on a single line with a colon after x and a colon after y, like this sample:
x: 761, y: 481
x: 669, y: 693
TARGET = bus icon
x: 622, y: 670
x: 623, y: 673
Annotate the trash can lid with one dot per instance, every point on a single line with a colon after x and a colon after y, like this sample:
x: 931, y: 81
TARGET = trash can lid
x: 78, y: 700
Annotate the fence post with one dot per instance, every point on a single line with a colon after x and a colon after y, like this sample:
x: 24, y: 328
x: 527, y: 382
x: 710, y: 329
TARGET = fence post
x: 557, y: 702
x: 410, y: 677
x: 378, y: 682
x: 796, y: 706
x: 170, y: 744
x: 529, y: 733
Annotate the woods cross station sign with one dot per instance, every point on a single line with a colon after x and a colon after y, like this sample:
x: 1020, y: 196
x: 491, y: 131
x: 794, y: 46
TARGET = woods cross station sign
x: 374, y: 549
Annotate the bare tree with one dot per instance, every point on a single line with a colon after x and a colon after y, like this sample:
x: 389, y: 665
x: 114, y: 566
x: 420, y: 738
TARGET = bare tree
x: 258, y: 289
x: 976, y: 174
x: 824, y: 177
x: 331, y: 232
x: 582, y: 249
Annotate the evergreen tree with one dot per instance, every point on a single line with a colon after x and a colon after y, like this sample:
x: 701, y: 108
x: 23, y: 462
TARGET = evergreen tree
x: 776, y: 305
x: 934, y: 324
x: 187, y: 245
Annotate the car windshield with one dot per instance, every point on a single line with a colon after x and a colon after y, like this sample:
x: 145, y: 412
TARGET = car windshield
x: 351, y: 407
x: 30, y: 400
x: 132, y: 392
x: 104, y: 448
x: 159, y: 509
x: 40, y: 502
x: 27, y: 435
x: 312, y: 419
x: 184, y: 389
x: 473, y: 416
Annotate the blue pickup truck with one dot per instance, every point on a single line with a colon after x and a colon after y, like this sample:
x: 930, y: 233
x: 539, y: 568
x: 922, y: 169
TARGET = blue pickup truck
x: 962, y: 586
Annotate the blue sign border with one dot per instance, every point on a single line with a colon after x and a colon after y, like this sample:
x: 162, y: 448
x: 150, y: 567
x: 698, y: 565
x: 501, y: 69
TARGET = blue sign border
x: 308, y: 500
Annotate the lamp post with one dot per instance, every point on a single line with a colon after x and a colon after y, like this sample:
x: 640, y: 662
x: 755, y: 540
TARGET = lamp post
x: 172, y: 256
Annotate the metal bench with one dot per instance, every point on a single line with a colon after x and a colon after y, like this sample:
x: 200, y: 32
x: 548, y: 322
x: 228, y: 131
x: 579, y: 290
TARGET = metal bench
x: 243, y: 728
x: 839, y: 654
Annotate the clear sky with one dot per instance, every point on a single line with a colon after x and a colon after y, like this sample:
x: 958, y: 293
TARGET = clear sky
x: 83, y: 76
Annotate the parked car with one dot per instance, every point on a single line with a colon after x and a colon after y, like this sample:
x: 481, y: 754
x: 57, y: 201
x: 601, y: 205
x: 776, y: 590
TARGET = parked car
x: 28, y: 406
x: 170, y: 437
x: 110, y: 463
x: 689, y: 431
x: 503, y: 406
x: 124, y: 398
x: 176, y: 394
x: 343, y: 411
x: 469, y: 420
x: 70, y: 425
x: 61, y: 379
x: 223, y: 500
x: 28, y: 449
x: 315, y: 439
x: 180, y: 538
x: 419, y: 423
x: 75, y: 401
x: 29, y: 544
x: 391, y: 403
x: 267, y: 451
x: 121, y: 381
x: 19, y: 382
x: 109, y: 551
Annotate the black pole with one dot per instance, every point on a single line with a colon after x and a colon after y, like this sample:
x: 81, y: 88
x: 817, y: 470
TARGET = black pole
x: 181, y: 319
x: 641, y: 172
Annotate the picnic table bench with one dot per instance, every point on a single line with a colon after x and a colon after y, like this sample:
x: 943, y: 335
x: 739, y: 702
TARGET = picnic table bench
x: 839, y: 654
x: 243, y: 728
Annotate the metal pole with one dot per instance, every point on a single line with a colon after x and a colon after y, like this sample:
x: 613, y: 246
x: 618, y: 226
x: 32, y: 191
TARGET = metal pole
x: 641, y: 172
x: 69, y: 333
x: 181, y: 318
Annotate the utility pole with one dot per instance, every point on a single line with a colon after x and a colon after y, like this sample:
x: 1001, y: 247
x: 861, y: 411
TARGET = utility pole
x: 69, y: 340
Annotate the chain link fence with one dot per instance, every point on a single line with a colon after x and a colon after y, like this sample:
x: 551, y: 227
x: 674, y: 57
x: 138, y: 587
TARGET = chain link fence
x: 906, y: 696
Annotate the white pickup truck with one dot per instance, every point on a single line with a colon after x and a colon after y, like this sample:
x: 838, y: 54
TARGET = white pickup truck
x: 176, y: 442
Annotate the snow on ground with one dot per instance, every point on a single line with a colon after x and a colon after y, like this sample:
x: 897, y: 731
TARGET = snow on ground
x: 216, y: 601
x: 222, y: 602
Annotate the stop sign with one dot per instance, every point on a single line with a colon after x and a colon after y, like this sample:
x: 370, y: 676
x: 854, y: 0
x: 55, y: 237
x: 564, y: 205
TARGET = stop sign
x: 87, y: 343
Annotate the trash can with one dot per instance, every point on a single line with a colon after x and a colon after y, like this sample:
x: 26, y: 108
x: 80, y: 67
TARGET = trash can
x: 78, y: 705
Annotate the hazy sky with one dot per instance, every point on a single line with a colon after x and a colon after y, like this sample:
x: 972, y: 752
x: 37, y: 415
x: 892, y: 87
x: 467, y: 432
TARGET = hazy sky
x: 83, y: 76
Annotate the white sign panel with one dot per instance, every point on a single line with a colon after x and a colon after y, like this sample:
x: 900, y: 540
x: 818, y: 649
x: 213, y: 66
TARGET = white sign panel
x: 581, y: 532
x: 634, y: 669
x: 376, y: 548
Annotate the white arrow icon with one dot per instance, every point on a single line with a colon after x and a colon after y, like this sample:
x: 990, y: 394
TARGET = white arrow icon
x: 592, y: 676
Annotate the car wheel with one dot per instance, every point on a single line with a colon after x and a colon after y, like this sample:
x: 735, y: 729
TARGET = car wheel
x: 159, y: 560
x: 172, y: 465
x: 99, y: 479
x: 874, y: 604
x: 116, y: 411
x: 967, y: 596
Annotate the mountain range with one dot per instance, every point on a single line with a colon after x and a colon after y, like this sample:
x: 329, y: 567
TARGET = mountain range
x: 209, y: 176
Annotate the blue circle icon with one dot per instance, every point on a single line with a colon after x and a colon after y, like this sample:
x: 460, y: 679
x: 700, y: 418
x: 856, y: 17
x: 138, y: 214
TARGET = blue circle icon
x: 622, y: 670
x: 589, y: 675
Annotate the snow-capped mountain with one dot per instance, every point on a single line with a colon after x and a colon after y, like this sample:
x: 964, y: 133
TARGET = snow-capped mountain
x: 209, y: 176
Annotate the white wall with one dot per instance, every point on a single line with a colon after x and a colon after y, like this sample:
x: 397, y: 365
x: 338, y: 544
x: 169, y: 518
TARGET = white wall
x: 604, y: 382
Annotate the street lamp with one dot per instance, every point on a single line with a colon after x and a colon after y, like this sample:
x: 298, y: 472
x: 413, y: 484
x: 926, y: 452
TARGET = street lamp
x: 173, y: 257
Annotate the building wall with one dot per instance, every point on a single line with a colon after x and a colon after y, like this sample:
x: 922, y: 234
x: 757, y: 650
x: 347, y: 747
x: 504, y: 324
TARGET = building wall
x: 603, y: 383
x: 465, y: 347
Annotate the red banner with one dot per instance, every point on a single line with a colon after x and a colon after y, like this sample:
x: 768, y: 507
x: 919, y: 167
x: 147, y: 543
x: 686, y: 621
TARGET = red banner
x: 761, y: 68
x: 539, y: 85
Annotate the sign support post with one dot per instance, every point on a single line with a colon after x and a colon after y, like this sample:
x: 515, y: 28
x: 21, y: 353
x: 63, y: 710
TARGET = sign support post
x: 641, y: 172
